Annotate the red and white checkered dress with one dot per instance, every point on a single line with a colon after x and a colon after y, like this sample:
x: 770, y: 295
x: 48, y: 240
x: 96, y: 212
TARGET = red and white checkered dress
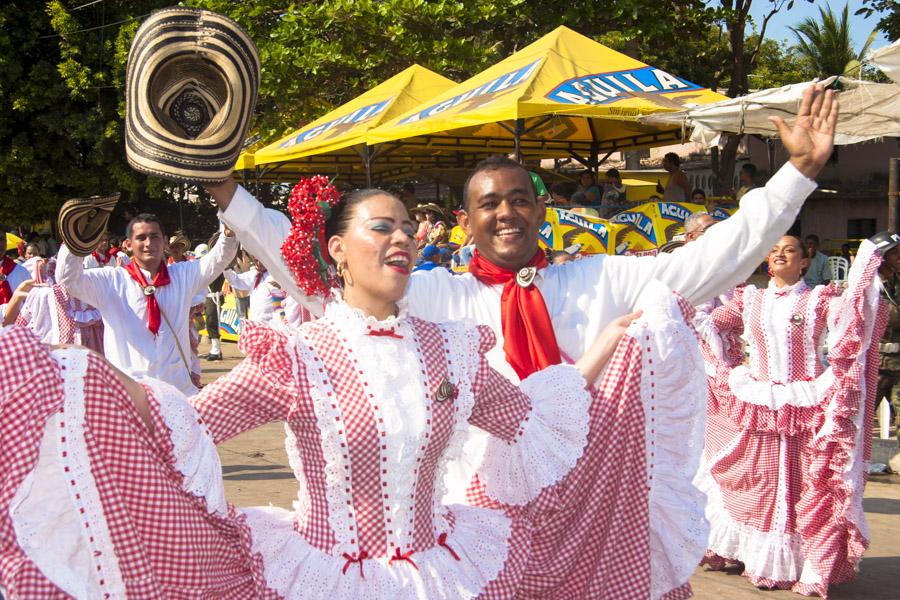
x: 787, y: 441
x: 374, y: 410
x: 58, y: 318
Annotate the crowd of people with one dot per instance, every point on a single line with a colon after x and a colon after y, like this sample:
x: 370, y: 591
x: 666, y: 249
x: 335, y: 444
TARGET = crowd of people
x: 583, y: 429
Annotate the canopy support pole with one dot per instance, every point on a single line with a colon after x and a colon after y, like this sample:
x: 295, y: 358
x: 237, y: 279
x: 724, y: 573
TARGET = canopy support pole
x: 520, y: 129
x: 367, y: 159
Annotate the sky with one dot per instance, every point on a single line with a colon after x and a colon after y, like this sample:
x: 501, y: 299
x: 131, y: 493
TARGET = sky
x: 779, y: 25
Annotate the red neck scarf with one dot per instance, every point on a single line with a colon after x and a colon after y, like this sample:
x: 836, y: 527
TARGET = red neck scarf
x: 528, y: 338
x: 161, y: 279
x: 103, y: 260
x: 6, y: 267
x: 259, y: 277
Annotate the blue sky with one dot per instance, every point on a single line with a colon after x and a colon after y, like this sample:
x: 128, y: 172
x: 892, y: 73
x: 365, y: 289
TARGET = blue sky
x: 779, y: 25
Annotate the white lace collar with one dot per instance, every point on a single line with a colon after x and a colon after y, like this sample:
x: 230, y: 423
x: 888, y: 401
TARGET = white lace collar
x: 788, y: 290
x: 354, y: 322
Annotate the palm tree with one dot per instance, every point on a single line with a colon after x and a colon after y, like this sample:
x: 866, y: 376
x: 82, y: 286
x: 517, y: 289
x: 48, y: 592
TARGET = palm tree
x: 827, y: 45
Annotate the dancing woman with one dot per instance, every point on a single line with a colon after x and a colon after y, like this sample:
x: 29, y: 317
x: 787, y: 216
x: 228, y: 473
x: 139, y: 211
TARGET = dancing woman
x: 787, y: 440
x: 114, y: 487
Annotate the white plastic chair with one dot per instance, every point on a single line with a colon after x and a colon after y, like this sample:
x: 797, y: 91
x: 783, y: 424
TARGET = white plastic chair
x: 839, y: 266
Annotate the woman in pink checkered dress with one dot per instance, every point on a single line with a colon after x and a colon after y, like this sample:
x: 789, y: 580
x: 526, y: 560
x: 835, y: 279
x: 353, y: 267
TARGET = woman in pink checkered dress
x: 787, y: 441
x: 113, y: 488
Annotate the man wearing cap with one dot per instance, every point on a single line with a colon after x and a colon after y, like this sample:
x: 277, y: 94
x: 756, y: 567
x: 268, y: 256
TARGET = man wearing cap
x: 12, y: 275
x: 431, y: 258
x: 889, y: 349
x: 145, y: 306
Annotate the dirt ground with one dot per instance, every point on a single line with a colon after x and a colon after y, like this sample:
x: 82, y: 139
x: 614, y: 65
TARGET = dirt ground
x: 256, y: 472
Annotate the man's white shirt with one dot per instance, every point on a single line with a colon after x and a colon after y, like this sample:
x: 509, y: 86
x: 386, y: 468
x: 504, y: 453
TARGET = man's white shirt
x: 127, y: 342
x: 582, y: 296
x: 262, y: 297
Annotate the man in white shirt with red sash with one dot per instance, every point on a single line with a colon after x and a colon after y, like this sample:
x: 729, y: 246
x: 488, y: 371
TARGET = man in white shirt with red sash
x: 145, y: 305
x: 545, y: 314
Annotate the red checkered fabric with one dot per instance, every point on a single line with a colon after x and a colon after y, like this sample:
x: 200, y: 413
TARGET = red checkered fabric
x: 434, y: 364
x: 363, y: 428
x: 775, y: 470
x: 170, y: 547
x: 590, y: 536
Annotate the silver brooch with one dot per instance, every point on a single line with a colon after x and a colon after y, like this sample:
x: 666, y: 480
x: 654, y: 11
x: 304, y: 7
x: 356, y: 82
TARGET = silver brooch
x: 446, y: 391
x: 525, y: 276
x: 797, y: 320
x: 149, y: 290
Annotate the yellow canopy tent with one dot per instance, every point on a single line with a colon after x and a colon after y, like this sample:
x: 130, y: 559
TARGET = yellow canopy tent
x: 336, y: 141
x: 565, y: 95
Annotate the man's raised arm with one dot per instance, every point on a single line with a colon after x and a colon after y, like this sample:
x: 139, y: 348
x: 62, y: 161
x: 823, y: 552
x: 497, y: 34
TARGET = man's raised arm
x: 262, y: 231
x: 729, y: 252
x: 87, y: 286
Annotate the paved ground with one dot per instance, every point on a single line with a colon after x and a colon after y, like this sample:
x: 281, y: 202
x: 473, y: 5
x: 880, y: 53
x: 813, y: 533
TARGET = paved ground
x: 256, y: 472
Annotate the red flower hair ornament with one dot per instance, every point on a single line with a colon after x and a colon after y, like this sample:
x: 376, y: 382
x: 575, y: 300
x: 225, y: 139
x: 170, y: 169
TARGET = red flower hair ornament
x: 304, y: 251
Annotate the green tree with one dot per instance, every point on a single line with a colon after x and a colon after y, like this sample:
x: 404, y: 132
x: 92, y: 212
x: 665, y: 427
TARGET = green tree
x: 827, y: 45
x: 779, y: 64
x: 888, y: 10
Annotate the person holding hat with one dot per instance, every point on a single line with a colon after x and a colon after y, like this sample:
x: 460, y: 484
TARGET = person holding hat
x: 785, y: 454
x: 545, y: 316
x: 888, y: 243
x: 376, y: 403
x: 145, y: 306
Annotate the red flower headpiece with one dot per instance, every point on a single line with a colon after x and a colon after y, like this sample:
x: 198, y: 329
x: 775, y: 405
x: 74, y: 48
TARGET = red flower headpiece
x: 304, y: 252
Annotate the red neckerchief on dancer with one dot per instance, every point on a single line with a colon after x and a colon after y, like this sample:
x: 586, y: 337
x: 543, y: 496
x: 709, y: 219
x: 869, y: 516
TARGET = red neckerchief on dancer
x: 259, y: 278
x: 528, y: 338
x: 107, y: 256
x: 161, y: 279
x: 6, y: 267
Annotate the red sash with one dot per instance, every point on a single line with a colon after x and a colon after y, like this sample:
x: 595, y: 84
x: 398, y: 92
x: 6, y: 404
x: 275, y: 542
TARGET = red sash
x: 528, y: 338
x: 6, y: 267
x: 161, y: 279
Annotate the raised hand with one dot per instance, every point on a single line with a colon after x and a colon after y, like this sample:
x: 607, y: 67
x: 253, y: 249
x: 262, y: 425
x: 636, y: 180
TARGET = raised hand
x: 596, y: 357
x: 811, y: 140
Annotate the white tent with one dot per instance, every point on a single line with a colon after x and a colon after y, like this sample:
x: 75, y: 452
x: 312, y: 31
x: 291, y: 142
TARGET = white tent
x: 888, y: 60
x: 868, y: 111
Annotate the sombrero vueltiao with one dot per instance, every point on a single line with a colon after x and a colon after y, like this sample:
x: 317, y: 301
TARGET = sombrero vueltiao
x: 190, y: 90
x: 82, y: 222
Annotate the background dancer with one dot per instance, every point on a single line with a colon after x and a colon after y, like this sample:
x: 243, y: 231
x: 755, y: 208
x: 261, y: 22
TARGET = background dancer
x: 787, y: 439
x: 145, y: 306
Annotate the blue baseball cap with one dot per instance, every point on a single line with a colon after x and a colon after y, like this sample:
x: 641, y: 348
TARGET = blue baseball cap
x: 429, y: 251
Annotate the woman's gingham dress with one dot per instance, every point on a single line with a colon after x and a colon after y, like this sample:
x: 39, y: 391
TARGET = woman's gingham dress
x: 787, y: 435
x: 373, y: 412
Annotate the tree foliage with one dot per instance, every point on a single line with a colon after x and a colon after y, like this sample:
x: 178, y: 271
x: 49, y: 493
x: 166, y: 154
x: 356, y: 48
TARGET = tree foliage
x: 63, y: 68
x: 889, y: 13
x: 826, y: 43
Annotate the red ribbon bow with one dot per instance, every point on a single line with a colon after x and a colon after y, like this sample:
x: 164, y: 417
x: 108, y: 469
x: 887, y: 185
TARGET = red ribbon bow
x: 161, y: 279
x: 405, y: 556
x: 386, y: 332
x: 6, y: 267
x: 442, y: 541
x: 528, y: 338
x: 352, y: 558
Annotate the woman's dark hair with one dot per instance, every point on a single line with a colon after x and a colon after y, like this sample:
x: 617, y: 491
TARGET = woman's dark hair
x: 698, y: 191
x: 144, y: 218
x: 342, y: 213
x: 804, y: 251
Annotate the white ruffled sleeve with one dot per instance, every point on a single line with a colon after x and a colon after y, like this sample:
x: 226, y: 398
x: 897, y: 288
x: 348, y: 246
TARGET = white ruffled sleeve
x: 539, y: 430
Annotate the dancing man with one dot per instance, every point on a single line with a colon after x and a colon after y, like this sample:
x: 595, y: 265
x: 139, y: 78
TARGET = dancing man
x: 145, y: 306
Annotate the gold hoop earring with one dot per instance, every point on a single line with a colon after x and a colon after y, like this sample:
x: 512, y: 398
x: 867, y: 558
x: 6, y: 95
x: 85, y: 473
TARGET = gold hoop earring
x: 344, y: 273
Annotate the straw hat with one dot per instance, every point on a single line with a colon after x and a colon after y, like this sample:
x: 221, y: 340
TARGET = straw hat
x: 190, y: 89
x: 430, y: 207
x: 180, y: 238
x: 82, y: 222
